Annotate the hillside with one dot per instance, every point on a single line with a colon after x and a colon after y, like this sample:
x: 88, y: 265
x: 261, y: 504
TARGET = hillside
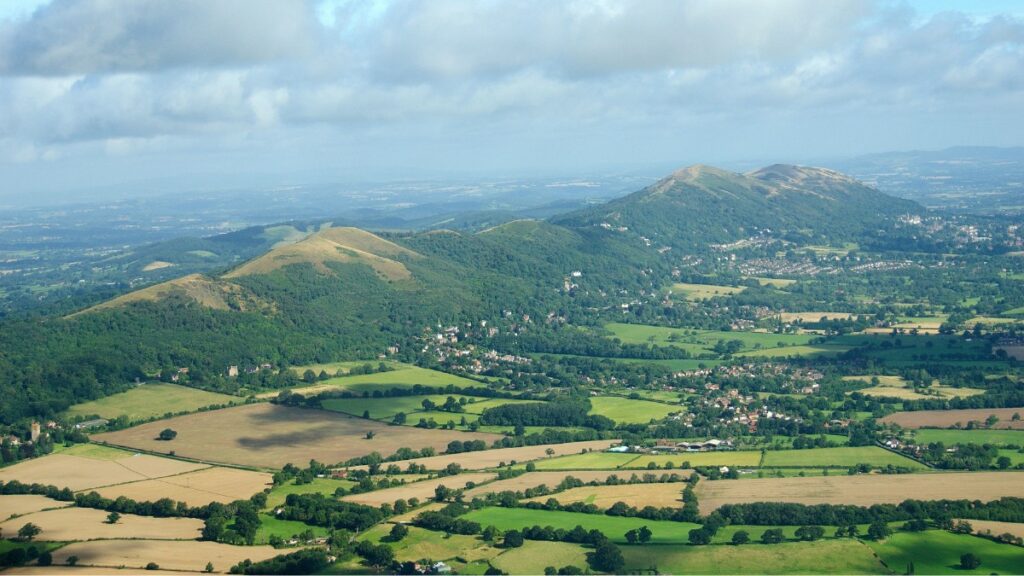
x: 207, y: 292
x: 703, y: 204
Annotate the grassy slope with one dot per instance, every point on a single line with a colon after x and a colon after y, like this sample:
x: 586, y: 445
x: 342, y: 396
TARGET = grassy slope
x: 149, y: 400
x: 938, y: 552
x: 831, y: 557
x: 665, y: 532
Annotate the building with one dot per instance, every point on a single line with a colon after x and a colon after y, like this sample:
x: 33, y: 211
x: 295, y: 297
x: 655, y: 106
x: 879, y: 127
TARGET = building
x: 35, y: 431
x: 232, y: 371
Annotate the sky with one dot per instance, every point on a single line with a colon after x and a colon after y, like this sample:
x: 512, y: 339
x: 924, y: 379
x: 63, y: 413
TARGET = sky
x: 122, y: 97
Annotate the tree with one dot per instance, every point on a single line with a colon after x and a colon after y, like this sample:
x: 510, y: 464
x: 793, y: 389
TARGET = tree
x: 28, y: 532
x: 969, y: 561
x: 740, y: 537
x: 152, y: 566
x: 45, y: 559
x: 398, y: 531
x: 209, y: 567
x: 72, y: 560
x: 878, y: 530
x: 607, y: 558
x: 645, y: 534
x: 632, y: 536
x: 810, y: 533
x: 513, y: 539
x: 167, y: 435
x: 772, y: 536
x: 550, y: 452
x: 1003, y: 462
x: 699, y: 536
x: 113, y: 517
x: 370, y: 434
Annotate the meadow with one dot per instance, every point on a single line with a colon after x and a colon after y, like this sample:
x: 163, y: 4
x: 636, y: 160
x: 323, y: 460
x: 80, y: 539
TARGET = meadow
x: 422, y: 490
x: 534, y: 556
x: 401, y: 376
x: 627, y: 411
x: 659, y: 495
x: 615, y: 527
x: 147, y: 401
x: 938, y: 552
x: 952, y: 418
x: 842, y: 457
x: 703, y: 341
x: 271, y: 525
x: 695, y: 292
x: 983, y: 436
x: 829, y: 557
x: 506, y: 456
x: 863, y: 489
x: 325, y: 486
x: 420, y: 543
x: 723, y: 458
x: 897, y: 387
x: 270, y: 436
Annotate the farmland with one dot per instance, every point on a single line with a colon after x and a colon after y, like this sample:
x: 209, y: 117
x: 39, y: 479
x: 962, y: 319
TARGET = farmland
x: 863, y: 490
x: 503, y: 456
x: 401, y: 376
x: 168, y: 554
x: 150, y: 400
x: 659, y: 495
x: 72, y: 523
x: 830, y: 557
x: 952, y: 418
x: 267, y: 435
x: 534, y: 556
x: 534, y: 479
x: 997, y: 528
x: 842, y: 457
x: 629, y: 411
x: 896, y: 387
x: 703, y: 341
x: 422, y: 490
x: 16, y: 505
x: 665, y: 532
x: 80, y: 473
x: 1000, y: 437
x: 215, y: 484
x: 938, y: 552
x: 694, y: 292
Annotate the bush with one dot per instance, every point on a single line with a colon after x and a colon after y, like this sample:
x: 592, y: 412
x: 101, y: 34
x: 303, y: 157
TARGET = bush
x: 969, y: 561
x: 152, y: 566
x: 741, y: 537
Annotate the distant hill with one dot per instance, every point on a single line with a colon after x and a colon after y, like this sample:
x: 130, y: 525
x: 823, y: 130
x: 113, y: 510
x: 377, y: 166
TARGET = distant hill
x: 703, y: 204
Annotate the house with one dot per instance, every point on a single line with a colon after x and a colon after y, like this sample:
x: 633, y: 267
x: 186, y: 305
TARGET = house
x: 622, y: 448
x: 441, y: 568
x: 232, y: 371
x: 35, y: 431
x: 88, y: 424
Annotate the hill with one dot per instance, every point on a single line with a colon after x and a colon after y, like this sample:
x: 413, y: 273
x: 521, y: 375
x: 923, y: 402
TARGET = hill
x: 207, y: 292
x: 703, y: 204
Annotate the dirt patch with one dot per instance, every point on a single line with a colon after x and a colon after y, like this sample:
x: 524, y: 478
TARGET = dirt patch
x: 270, y: 436
x: 863, y: 490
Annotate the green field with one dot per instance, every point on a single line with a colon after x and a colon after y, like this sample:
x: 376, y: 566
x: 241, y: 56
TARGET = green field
x: 420, y: 544
x: 675, y: 364
x: 271, y: 526
x: 588, y: 461
x: 938, y: 552
x: 615, y: 527
x: 533, y: 556
x: 403, y: 376
x: 997, y: 437
x: 806, y: 351
x: 723, y: 458
x: 695, y: 292
x: 702, y: 341
x: 843, y: 457
x: 325, y: 486
x: 149, y: 400
x: 821, y: 557
x: 628, y: 411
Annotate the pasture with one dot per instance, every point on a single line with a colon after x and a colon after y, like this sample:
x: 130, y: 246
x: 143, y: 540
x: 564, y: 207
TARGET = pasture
x: 423, y: 490
x: 533, y: 556
x: 386, y: 408
x: 723, y: 458
x: 953, y: 418
x: 615, y: 527
x: 215, y: 484
x: 588, y: 461
x: 507, y: 456
x: 73, y: 523
x: 842, y: 457
x: 828, y: 557
x: 773, y: 282
x: 420, y: 543
x: 862, y: 490
x: 810, y: 317
x: 982, y: 436
x: 532, y: 480
x: 18, y: 504
x: 402, y: 376
x: 271, y: 525
x: 659, y: 495
x: 150, y: 400
x: 703, y: 341
x: 270, y: 436
x: 938, y: 552
x: 627, y: 411
x: 168, y: 554
x: 325, y: 486
x: 81, y: 473
x: 897, y: 387
x: 696, y: 292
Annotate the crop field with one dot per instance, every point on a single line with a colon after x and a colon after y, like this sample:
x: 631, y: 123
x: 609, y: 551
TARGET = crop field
x: 81, y: 473
x: 588, y: 461
x: 533, y: 556
x: 267, y: 435
x: 896, y: 387
x: 627, y: 411
x: 403, y: 376
x: 659, y: 495
x: 168, y: 554
x: 216, y: 484
x: 985, y: 436
x: 830, y: 556
x: 148, y: 400
x: 615, y: 527
x: 386, y: 408
x: 951, y: 418
x: 702, y: 341
x: 862, y: 490
x: 73, y: 523
x: 423, y: 490
x: 18, y: 504
x: 492, y: 458
x: 534, y: 479
x: 798, y: 351
x: 813, y: 316
x: 997, y: 528
x: 723, y: 458
x: 844, y: 457
x: 325, y: 486
x: 694, y: 292
x: 938, y: 552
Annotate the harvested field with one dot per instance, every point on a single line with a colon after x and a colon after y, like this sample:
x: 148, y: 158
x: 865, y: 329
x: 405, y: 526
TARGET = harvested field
x: 270, y: 436
x: 534, y: 479
x: 659, y: 495
x: 423, y: 489
x: 16, y: 505
x: 950, y: 418
x: 89, y: 571
x: 996, y: 528
x: 813, y: 316
x: 80, y: 473
x: 492, y: 458
x: 863, y: 490
x: 168, y: 554
x: 75, y: 523
x: 198, y: 488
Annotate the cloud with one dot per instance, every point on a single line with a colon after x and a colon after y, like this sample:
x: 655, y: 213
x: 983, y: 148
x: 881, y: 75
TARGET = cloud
x: 105, y: 36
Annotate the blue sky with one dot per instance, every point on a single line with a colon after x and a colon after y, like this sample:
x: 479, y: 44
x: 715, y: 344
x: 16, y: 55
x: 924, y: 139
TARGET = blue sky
x: 118, y: 94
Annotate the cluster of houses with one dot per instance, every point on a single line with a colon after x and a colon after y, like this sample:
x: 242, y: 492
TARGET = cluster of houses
x: 233, y: 370
x: 668, y: 446
x: 35, y: 433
